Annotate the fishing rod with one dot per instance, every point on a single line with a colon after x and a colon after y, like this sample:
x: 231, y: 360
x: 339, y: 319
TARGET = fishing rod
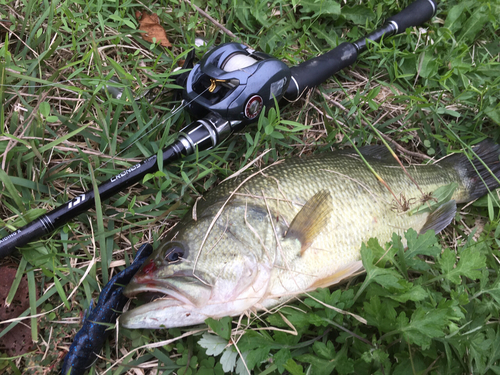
x: 227, y: 90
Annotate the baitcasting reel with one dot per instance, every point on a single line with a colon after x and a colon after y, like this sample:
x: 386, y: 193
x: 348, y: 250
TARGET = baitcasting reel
x: 228, y: 89
x: 232, y: 84
x: 236, y: 82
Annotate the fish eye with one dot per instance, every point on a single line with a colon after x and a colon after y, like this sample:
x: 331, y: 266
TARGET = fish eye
x: 174, y: 254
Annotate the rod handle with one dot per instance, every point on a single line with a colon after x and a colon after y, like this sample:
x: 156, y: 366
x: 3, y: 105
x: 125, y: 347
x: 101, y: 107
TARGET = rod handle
x: 414, y: 14
x: 314, y: 71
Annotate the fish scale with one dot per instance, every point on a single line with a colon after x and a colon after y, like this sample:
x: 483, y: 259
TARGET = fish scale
x: 360, y: 210
x: 262, y: 238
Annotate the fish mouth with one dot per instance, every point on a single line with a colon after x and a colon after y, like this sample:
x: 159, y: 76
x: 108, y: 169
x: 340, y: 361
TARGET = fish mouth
x: 154, y: 291
x: 184, y: 295
x: 182, y: 286
x: 162, y: 313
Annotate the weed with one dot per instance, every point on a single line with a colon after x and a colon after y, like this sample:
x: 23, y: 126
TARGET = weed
x: 430, y: 90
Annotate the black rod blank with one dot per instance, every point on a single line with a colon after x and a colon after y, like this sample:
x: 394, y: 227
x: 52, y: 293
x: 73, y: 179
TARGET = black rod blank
x: 48, y: 222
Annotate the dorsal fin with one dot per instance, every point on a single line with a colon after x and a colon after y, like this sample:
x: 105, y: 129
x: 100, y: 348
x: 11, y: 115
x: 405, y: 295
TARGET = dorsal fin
x: 440, y: 218
x: 379, y: 152
x: 311, y: 219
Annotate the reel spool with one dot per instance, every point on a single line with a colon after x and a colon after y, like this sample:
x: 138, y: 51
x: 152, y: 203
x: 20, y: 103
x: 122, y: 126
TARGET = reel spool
x: 236, y: 82
x: 237, y: 61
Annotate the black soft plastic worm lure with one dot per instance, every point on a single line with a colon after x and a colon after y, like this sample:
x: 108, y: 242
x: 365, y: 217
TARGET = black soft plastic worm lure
x: 90, y: 338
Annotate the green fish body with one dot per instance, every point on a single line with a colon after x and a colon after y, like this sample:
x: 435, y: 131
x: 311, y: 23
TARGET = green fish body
x: 259, y: 239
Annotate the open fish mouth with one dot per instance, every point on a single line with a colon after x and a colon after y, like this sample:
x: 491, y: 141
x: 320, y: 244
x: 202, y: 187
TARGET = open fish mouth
x: 172, y: 306
x: 181, y: 285
x: 155, y: 290
x: 167, y: 301
x: 146, y: 297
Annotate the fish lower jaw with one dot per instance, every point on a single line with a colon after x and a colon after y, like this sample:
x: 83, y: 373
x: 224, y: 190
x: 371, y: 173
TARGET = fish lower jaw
x: 168, y: 313
x: 171, y: 313
x: 161, y: 313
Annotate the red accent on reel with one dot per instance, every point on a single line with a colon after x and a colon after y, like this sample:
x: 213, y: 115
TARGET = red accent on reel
x: 253, y: 106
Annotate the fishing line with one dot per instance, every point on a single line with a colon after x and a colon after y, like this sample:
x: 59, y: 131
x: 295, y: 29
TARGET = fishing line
x: 50, y: 84
x: 58, y: 82
x: 55, y: 218
x: 173, y: 112
x: 92, y: 82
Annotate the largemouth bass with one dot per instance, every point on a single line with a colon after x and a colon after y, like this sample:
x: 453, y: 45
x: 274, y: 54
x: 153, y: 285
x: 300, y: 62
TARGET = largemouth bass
x: 262, y: 238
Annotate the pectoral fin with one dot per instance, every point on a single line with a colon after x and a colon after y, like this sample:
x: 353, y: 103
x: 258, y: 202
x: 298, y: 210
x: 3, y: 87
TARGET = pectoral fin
x: 440, y: 218
x: 311, y: 219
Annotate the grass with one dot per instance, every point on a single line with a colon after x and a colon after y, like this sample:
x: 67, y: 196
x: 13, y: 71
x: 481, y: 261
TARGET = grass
x: 426, y: 92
